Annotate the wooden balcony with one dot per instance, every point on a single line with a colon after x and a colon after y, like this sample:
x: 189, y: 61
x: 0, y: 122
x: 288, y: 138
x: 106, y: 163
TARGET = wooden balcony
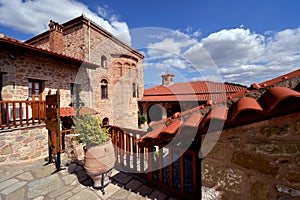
x: 174, y: 169
x: 21, y: 113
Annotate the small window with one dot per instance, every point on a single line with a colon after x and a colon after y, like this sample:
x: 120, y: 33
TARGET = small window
x: 134, y: 90
x: 75, y: 91
x: 104, y: 62
x: 35, y: 89
x: 105, y: 121
x: 104, y: 89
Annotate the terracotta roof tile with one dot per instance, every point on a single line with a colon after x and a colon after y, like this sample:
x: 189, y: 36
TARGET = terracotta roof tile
x: 67, y: 111
x: 199, y: 117
x: 193, y: 121
x: 70, y: 111
x: 172, y: 128
x: 276, y: 94
x: 153, y: 134
x: 245, y: 103
x: 217, y: 112
x: 192, y: 88
x: 280, y: 78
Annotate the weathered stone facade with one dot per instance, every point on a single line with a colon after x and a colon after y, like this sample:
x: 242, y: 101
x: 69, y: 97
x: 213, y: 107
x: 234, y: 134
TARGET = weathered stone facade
x: 23, y: 144
x: 119, y: 64
x: 256, y: 161
x: 27, y: 65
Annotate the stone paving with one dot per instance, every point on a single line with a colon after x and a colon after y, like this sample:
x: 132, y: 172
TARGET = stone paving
x: 38, y: 181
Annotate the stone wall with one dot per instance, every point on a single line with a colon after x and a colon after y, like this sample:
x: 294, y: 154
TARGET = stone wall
x: 54, y: 74
x: 256, y: 161
x: 86, y: 41
x: 23, y: 144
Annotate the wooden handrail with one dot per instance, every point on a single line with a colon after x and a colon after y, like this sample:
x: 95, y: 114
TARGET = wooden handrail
x: 21, y: 113
x: 179, y: 175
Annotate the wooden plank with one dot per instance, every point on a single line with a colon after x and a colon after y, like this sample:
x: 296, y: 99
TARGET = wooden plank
x: 134, y: 154
x: 194, y: 168
x: 160, y: 163
x: 150, y: 165
x: 52, y: 99
x: 182, y: 172
x: 142, y: 160
x: 52, y: 113
x: 171, y: 167
x: 52, y: 125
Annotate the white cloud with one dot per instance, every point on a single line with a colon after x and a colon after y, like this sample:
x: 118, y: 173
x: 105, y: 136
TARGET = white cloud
x: 238, y: 54
x: 33, y: 16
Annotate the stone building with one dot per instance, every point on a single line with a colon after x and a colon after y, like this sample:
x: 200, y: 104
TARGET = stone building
x: 246, y: 146
x: 164, y: 100
x: 90, y: 66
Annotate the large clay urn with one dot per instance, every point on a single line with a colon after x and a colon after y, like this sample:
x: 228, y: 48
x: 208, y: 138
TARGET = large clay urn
x: 98, y: 161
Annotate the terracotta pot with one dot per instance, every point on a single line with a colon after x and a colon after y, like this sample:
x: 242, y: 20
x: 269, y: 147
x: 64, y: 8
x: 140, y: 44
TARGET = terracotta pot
x: 98, y: 160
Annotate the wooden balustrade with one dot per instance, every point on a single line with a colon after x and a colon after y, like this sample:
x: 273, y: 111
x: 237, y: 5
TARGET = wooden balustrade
x: 21, y: 113
x: 130, y: 156
x: 175, y: 169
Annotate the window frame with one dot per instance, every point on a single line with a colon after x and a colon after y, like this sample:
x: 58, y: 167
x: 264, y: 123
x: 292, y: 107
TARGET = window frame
x: 104, y: 89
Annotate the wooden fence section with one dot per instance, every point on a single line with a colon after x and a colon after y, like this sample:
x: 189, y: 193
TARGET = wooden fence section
x: 130, y: 157
x: 20, y: 113
x: 175, y: 169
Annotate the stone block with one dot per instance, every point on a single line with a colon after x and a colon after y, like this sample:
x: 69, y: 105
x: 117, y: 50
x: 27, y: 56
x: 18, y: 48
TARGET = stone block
x: 276, y: 147
x: 259, y: 191
x: 273, y: 131
x: 254, y: 162
x: 234, y: 142
x: 293, y: 177
x: 217, y: 174
x: 7, y: 149
x: 219, y: 150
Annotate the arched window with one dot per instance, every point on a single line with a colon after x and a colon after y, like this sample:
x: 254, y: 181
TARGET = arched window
x: 105, y: 121
x: 134, y: 90
x: 104, y: 62
x: 104, y: 89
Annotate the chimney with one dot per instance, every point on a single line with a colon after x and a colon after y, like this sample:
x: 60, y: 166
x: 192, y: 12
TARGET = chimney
x: 56, y: 42
x: 167, y: 78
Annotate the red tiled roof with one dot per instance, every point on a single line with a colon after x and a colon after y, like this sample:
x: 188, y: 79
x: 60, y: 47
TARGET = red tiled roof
x: 70, y: 111
x: 190, y: 91
x: 265, y: 102
x: 276, y: 94
x: 67, y: 112
x: 278, y: 79
x: 11, y: 41
x: 245, y: 103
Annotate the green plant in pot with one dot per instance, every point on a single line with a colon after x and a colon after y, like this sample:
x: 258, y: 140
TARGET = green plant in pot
x: 142, y: 119
x: 99, y: 155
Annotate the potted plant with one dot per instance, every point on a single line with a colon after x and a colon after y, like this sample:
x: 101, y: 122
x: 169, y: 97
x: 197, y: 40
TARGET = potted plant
x: 99, y: 156
x: 142, y: 119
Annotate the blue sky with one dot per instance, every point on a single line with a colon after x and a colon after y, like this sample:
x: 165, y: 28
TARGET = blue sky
x: 235, y: 41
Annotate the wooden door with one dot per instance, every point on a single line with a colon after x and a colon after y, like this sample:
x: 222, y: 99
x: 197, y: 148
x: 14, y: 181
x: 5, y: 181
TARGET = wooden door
x: 35, y: 90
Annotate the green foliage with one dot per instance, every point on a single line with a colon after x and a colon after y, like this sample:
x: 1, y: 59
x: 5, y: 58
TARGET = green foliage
x: 142, y: 119
x: 90, y: 130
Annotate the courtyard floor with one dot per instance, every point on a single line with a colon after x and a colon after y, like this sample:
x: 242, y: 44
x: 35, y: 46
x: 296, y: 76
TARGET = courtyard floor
x: 37, y: 181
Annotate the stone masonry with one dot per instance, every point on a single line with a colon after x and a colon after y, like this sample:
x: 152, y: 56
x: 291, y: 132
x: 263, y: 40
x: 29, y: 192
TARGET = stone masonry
x: 23, y: 144
x: 119, y: 64
x: 256, y: 161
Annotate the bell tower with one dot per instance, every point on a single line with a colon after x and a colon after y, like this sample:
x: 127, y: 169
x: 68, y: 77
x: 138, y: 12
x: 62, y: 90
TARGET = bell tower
x: 167, y: 78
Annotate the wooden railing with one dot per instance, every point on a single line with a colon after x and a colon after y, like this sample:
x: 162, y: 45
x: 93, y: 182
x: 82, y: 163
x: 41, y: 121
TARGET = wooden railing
x: 130, y: 157
x: 21, y: 113
x: 175, y: 169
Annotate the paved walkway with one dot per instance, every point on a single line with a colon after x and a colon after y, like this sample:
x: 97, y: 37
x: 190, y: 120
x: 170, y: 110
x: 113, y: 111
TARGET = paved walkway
x: 37, y: 181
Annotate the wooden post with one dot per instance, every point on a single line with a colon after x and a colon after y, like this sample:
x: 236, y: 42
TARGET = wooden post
x: 53, y: 126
